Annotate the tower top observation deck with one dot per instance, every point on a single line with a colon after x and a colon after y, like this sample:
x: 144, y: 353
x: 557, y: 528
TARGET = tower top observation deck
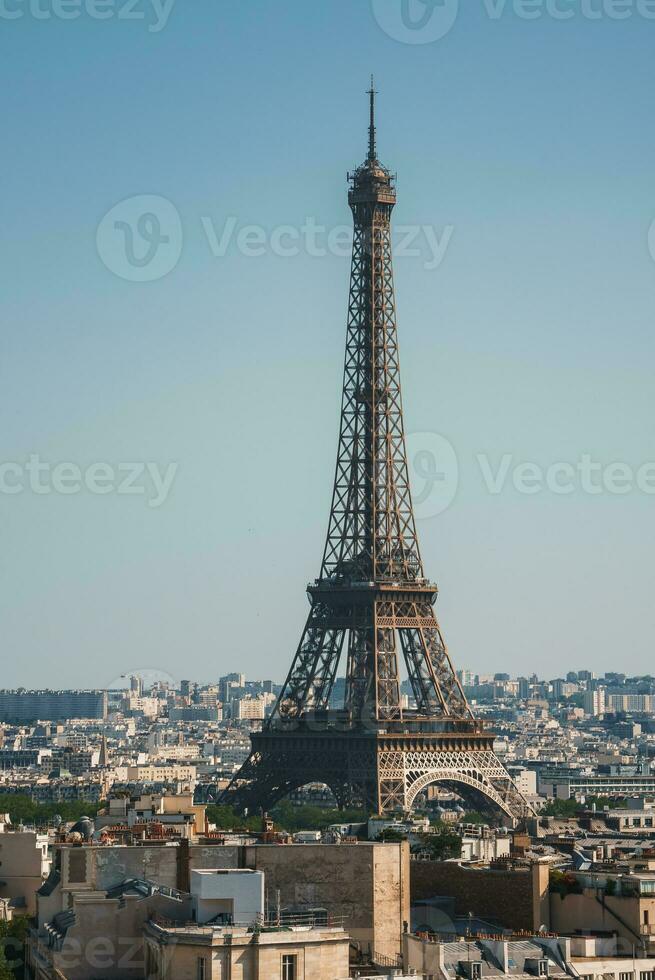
x: 372, y: 183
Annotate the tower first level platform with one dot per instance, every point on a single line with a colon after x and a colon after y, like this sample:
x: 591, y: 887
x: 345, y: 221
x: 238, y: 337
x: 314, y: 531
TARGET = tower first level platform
x: 382, y: 770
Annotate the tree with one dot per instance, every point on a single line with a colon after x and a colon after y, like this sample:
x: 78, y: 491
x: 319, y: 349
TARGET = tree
x: 226, y: 818
x: 286, y: 815
x: 6, y: 973
x: 23, y: 809
x: 391, y: 835
x: 12, y: 946
x: 307, y: 817
x: 561, y: 808
x: 440, y: 845
x: 474, y: 816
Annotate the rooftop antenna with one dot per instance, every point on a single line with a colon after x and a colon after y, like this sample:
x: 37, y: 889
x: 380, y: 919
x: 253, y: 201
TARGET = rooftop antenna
x: 372, y: 155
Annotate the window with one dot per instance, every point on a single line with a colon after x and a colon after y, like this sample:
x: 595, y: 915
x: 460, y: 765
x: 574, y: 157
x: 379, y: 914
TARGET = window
x: 289, y: 967
x: 627, y: 976
x: 202, y: 969
x: 476, y: 971
x: 647, y: 975
x: 646, y: 917
x: 543, y: 968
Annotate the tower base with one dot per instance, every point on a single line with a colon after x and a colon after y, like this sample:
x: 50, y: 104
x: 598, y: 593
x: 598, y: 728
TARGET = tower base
x: 383, y: 771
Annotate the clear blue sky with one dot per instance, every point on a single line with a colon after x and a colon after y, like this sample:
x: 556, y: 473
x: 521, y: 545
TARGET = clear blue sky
x: 533, y: 140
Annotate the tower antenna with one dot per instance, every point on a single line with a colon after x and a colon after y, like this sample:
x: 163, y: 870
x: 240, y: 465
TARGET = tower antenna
x: 372, y: 154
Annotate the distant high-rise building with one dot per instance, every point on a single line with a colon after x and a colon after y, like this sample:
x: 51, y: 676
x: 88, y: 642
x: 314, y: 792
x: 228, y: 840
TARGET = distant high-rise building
x: 253, y: 709
x: 231, y: 686
x: 626, y: 703
x: 467, y: 678
x: 185, y: 688
x: 208, y: 697
x: 238, y: 679
x: 594, y: 702
x: 338, y: 692
x: 524, y: 688
x: 558, y: 688
x: 21, y: 706
x: 136, y: 685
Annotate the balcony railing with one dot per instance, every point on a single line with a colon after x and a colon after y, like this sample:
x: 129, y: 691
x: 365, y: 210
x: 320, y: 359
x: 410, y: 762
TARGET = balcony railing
x: 312, y: 919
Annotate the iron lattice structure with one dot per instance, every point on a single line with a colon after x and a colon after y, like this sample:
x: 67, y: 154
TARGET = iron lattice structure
x: 372, y: 596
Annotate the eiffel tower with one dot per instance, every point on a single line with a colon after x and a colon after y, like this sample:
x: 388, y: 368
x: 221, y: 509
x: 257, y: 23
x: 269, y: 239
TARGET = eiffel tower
x: 372, y: 590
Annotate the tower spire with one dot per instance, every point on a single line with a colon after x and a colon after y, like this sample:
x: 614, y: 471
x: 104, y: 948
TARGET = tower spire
x: 372, y: 154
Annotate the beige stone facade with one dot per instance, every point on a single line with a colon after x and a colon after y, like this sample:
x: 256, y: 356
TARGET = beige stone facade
x: 364, y: 885
x: 367, y: 884
x: 630, y: 917
x: 518, y: 898
x: 24, y: 863
x: 192, y: 953
x: 123, y: 939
